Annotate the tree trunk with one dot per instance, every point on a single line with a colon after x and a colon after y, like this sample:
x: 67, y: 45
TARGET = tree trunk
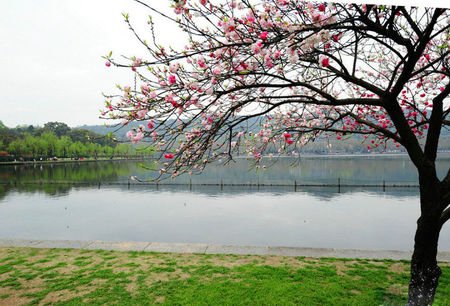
x: 424, y: 269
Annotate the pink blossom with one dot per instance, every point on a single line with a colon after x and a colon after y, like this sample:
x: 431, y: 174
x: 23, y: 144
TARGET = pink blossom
x: 141, y: 114
x: 174, y: 67
x: 179, y: 6
x: 337, y: 37
x: 138, y: 137
x: 169, y: 156
x: 256, y: 47
x: 268, y: 61
x: 325, y: 62
x: 172, y: 79
x: 203, y: 2
x: 263, y: 35
x: 137, y: 62
x: 217, y: 70
x: 154, y: 135
x: 151, y: 124
x: 175, y: 104
x: 316, y: 17
x: 108, y: 64
x: 201, y: 62
x: 322, y: 7
x: 145, y: 88
x: 250, y: 17
x: 277, y: 54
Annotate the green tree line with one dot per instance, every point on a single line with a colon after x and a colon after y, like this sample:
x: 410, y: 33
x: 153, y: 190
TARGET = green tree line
x: 56, y: 139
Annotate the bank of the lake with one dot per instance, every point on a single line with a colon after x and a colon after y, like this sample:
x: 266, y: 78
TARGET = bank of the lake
x: 265, y: 158
x: 85, y: 277
x: 72, y: 161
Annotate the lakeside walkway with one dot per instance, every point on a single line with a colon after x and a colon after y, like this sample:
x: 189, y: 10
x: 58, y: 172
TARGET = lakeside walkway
x: 203, y: 248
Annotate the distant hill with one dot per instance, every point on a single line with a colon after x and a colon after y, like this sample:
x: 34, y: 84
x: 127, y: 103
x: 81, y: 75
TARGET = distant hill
x: 322, y: 145
x: 118, y: 130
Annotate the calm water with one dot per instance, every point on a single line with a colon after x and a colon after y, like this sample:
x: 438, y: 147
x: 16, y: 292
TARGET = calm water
x: 33, y: 206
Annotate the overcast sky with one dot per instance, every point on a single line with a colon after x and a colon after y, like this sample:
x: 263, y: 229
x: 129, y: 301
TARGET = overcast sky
x: 50, y: 55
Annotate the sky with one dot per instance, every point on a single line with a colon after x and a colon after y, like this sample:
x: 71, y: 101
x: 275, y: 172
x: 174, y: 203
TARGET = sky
x: 51, y: 65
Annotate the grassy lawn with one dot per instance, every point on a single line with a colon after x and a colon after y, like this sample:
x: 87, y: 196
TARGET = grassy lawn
x: 74, y: 277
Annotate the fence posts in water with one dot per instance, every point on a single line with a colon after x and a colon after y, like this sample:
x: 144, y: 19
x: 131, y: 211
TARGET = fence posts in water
x: 221, y: 184
x: 384, y: 186
x: 339, y: 185
x: 295, y: 185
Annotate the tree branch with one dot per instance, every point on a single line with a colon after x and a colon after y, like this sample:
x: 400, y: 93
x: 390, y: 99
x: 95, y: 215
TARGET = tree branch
x: 435, y: 127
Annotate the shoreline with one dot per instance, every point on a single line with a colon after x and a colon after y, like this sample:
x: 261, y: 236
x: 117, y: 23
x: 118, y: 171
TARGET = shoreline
x: 72, y: 161
x: 205, y: 248
x: 300, y: 156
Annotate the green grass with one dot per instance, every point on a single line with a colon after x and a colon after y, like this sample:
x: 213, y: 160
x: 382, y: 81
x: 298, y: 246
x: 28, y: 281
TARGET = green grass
x: 74, y: 277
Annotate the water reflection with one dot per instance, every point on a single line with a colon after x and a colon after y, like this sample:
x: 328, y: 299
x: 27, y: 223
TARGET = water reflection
x: 59, y: 179
x: 324, y: 193
x: 72, y: 172
x: 359, y: 169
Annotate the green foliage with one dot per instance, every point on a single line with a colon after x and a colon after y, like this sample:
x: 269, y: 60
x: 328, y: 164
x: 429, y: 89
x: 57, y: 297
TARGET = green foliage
x: 58, y: 128
x: 57, y: 139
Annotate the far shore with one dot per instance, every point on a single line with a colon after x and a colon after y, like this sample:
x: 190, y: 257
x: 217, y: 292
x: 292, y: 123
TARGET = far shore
x: 304, y: 155
x: 66, y: 161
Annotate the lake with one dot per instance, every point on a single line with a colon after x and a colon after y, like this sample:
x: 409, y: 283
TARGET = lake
x: 98, y: 201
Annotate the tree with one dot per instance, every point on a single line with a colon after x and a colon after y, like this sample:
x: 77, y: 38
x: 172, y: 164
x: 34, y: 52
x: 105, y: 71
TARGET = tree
x: 58, y: 128
x: 3, y: 126
x: 16, y: 147
x: 123, y: 150
x: 33, y: 146
x: 262, y: 74
x: 50, y: 141
x: 62, y: 146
